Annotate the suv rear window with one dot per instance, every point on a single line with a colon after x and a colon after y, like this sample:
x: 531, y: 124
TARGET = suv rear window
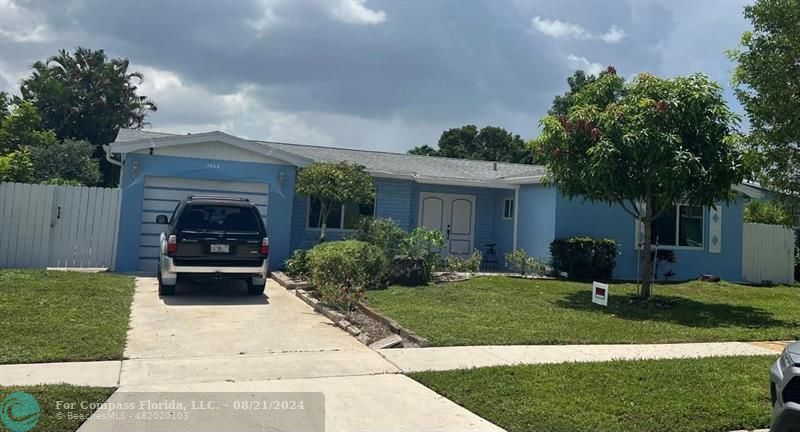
x: 211, y: 217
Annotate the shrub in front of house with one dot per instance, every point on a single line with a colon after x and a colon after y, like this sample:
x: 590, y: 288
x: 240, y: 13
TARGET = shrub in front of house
x: 342, y: 270
x: 410, y: 256
x: 518, y: 261
x: 416, y: 258
x: 381, y: 232
x: 471, y: 263
x: 585, y: 257
x: 297, y: 264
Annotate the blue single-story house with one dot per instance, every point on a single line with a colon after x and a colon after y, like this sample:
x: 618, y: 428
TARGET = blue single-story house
x: 476, y: 202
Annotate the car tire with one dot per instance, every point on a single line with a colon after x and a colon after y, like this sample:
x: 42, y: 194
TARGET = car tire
x: 255, y: 290
x: 163, y: 289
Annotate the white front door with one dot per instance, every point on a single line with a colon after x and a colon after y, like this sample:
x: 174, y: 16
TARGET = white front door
x: 454, y: 216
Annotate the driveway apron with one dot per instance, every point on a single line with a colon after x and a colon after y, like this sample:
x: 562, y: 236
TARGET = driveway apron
x: 217, y: 338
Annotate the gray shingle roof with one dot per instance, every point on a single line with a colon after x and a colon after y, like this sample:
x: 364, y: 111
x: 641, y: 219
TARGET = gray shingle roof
x: 136, y: 135
x: 389, y: 163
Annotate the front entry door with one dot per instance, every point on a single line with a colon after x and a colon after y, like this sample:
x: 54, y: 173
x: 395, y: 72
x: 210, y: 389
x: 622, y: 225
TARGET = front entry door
x: 454, y: 216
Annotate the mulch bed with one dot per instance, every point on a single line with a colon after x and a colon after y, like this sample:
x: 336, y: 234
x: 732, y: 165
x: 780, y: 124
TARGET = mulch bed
x: 374, y: 330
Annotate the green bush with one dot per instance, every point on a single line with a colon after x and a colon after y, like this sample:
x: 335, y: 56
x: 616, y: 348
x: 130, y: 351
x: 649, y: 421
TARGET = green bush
x: 297, y: 264
x: 519, y: 261
x: 342, y: 270
x: 472, y: 263
x: 381, y: 232
x: 797, y: 264
x: 585, y: 257
x: 423, y: 244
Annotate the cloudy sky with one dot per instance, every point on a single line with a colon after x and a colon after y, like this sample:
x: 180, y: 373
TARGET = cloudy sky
x: 386, y: 75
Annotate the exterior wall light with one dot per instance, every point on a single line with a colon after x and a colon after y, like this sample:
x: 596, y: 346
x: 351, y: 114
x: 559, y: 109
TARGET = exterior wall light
x: 281, y: 178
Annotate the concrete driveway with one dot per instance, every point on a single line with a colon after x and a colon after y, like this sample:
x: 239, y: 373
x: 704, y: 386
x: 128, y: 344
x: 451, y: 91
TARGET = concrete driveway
x: 219, y: 339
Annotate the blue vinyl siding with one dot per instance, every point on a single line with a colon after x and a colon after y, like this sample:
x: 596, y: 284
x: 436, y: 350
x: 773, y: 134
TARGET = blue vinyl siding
x: 399, y: 200
x: 578, y: 218
x: 537, y: 219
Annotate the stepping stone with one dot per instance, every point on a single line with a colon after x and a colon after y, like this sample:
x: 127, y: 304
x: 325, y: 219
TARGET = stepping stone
x: 387, y: 342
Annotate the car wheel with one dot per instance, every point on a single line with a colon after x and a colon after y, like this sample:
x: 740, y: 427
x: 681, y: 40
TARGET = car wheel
x: 163, y: 289
x: 255, y: 290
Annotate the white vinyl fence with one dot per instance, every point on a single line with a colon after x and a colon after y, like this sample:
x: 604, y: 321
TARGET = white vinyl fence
x: 768, y: 253
x: 57, y: 226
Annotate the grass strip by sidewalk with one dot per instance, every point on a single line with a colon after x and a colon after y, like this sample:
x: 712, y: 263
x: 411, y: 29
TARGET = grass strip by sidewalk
x: 52, y: 316
x: 511, y: 311
x: 53, y: 419
x: 686, y: 395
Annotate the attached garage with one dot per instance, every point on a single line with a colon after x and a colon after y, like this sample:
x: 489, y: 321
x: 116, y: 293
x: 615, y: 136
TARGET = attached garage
x: 162, y: 194
x: 160, y: 171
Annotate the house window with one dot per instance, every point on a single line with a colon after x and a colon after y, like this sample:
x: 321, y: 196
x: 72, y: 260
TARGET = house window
x: 508, y: 208
x: 345, y: 216
x: 679, y: 226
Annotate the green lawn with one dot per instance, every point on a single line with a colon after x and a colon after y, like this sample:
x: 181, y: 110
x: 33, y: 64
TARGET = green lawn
x: 55, y: 418
x: 699, y: 395
x: 507, y: 311
x: 50, y: 316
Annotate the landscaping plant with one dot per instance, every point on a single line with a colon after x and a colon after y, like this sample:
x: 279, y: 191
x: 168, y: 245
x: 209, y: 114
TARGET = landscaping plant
x: 585, y: 258
x: 769, y: 213
x: 297, y: 264
x: 645, y: 146
x: 471, y: 263
x: 518, y: 261
x: 333, y: 184
x: 381, y: 232
x: 424, y: 245
x: 341, y: 271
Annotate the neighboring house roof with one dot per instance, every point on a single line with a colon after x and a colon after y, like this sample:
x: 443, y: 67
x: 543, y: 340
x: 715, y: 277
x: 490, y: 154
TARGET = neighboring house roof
x: 427, y: 169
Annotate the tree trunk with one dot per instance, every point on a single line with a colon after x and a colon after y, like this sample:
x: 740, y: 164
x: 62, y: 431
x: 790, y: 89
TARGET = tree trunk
x: 647, y: 271
x: 324, y: 209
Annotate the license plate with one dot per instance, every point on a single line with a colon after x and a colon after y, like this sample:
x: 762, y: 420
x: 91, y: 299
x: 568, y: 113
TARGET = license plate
x: 220, y: 248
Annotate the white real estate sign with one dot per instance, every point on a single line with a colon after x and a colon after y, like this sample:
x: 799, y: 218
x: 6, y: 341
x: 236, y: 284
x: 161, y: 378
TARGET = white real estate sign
x: 600, y: 293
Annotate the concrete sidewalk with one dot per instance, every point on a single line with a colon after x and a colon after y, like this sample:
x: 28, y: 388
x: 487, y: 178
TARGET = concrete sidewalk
x: 93, y: 374
x: 447, y: 358
x: 332, y: 363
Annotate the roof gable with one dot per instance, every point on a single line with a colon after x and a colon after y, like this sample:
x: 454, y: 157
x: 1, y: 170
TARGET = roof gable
x: 171, y: 141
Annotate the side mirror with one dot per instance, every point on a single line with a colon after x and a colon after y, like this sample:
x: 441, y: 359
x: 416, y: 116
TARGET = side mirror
x: 162, y: 220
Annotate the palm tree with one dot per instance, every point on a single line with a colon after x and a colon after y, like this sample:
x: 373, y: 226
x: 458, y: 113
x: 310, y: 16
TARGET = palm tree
x: 87, y: 96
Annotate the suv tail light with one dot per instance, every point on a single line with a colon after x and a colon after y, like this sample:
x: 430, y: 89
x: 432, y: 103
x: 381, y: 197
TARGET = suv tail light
x: 265, y: 246
x: 172, y: 245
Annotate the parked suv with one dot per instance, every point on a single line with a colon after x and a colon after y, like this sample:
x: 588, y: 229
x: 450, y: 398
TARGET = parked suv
x: 785, y: 390
x: 213, y: 237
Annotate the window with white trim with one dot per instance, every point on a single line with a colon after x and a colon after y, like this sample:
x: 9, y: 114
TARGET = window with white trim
x: 508, y: 208
x: 680, y: 226
x: 345, y: 216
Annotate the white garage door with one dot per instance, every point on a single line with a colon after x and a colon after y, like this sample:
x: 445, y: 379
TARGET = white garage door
x: 162, y: 194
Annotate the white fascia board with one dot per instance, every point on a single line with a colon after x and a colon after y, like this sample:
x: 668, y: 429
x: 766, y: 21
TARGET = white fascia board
x: 523, y: 180
x: 462, y: 182
x: 443, y: 181
x: 216, y: 136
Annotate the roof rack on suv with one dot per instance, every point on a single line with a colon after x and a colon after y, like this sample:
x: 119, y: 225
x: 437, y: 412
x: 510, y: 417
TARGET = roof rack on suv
x: 216, y: 197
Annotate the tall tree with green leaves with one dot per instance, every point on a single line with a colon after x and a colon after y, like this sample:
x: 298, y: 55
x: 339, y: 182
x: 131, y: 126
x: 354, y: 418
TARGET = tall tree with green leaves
x: 646, y: 146
x: 577, y: 81
x: 332, y: 184
x: 767, y: 80
x: 20, y: 128
x: 490, y: 143
x: 87, y: 96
